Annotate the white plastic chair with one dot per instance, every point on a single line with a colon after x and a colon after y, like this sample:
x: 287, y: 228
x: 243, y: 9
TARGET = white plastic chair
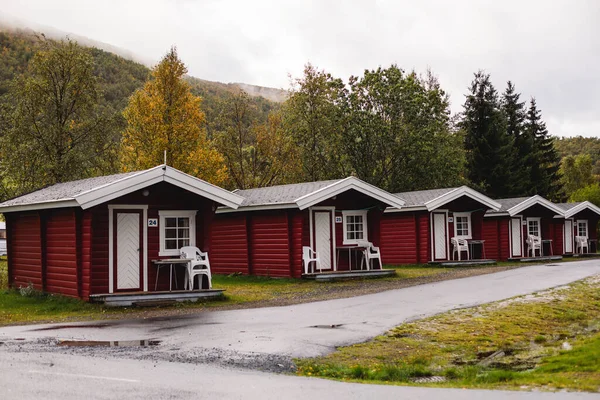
x: 371, y: 253
x: 581, y: 242
x: 534, y: 243
x: 458, y: 246
x: 199, y: 265
x: 308, y: 256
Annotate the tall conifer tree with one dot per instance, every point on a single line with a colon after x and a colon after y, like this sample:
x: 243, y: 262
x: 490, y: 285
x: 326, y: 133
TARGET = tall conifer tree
x: 514, y: 112
x: 544, y: 172
x: 489, y: 148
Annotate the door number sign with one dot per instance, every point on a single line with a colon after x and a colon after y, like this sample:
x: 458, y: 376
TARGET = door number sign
x: 153, y: 222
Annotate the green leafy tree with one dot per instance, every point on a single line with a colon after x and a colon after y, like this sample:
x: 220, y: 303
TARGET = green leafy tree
x: 589, y: 193
x: 573, y: 146
x: 165, y: 116
x: 489, y: 149
x: 57, y: 131
x: 257, y: 154
x: 397, y: 131
x: 545, y: 179
x: 312, y: 116
x: 523, y: 157
x: 576, y: 173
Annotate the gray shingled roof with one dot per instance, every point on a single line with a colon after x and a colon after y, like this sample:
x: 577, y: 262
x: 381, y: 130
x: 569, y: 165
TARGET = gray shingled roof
x: 507, y: 204
x: 65, y: 191
x: 420, y: 197
x: 282, y: 194
x: 567, y: 206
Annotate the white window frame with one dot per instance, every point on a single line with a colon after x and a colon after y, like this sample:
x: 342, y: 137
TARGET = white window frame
x: 463, y: 214
x: 539, y: 224
x: 362, y: 213
x: 585, y: 223
x: 162, y: 214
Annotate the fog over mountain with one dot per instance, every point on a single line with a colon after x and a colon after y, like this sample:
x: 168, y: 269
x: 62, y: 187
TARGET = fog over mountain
x: 8, y: 23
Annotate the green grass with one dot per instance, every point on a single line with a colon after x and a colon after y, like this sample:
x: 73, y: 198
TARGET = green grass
x: 239, y: 289
x: 524, y: 335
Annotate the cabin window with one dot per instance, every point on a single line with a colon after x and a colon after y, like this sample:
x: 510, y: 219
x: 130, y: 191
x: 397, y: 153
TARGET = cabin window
x: 462, y: 225
x: 177, y: 229
x: 582, y: 228
x: 533, y: 227
x: 355, y: 226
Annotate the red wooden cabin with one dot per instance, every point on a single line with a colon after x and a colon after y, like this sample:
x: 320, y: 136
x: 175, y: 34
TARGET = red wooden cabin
x: 421, y: 231
x: 581, y: 219
x: 97, y: 236
x: 265, y: 235
x: 509, y: 227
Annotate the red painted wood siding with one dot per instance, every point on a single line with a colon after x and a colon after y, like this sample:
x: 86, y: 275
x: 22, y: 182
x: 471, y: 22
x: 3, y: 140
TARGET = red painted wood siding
x: 424, y: 229
x: 496, y: 236
x: 229, y: 244
x: 297, y: 236
x: 404, y: 238
x: 61, y: 252
x: 558, y: 239
x: 490, y: 233
x: 503, y: 239
x: 270, y: 245
x: 99, y: 268
x: 86, y: 254
x: 398, y: 242
x: 25, y: 250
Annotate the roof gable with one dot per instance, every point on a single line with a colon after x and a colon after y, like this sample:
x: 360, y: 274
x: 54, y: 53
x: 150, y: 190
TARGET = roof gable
x: 436, y: 198
x: 571, y: 209
x: 90, y: 192
x: 345, y: 185
x: 517, y: 205
x: 304, y: 195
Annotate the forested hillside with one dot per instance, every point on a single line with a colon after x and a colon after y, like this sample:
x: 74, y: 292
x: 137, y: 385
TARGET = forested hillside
x: 578, y: 145
x: 118, y: 77
x: 69, y: 112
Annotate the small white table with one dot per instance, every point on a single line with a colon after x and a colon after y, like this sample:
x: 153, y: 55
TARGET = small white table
x: 350, y: 248
x: 170, y: 262
x: 549, y: 243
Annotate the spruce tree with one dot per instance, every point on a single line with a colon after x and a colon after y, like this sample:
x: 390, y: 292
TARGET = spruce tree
x: 489, y: 148
x: 546, y: 161
x: 514, y: 112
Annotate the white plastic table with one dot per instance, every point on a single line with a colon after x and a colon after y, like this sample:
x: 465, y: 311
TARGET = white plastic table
x: 169, y: 261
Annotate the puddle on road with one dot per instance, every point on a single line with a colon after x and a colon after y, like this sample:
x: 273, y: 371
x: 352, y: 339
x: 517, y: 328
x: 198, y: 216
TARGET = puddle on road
x: 332, y: 326
x: 94, y: 326
x: 108, y: 343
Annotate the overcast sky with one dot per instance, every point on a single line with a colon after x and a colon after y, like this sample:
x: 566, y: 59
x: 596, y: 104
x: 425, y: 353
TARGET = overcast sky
x: 550, y: 49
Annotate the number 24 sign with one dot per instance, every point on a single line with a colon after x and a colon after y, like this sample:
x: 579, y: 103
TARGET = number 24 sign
x: 153, y: 222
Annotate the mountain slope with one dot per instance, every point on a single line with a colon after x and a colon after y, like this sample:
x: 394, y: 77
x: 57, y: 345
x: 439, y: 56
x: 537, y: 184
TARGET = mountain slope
x: 119, y: 77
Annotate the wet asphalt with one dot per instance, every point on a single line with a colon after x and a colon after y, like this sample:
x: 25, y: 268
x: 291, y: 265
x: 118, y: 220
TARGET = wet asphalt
x: 243, y: 342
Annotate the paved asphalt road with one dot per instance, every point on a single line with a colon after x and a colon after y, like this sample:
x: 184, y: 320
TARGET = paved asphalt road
x: 45, y: 376
x: 274, y: 334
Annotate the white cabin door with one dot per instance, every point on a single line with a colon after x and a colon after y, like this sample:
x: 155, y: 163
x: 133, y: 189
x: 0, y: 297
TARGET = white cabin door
x: 128, y: 250
x: 322, y: 220
x: 439, y: 236
x: 568, y: 235
x: 515, y: 238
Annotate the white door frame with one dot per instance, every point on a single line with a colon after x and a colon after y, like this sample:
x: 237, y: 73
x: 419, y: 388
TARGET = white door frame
x: 510, y: 239
x: 566, y: 238
x: 331, y: 209
x: 431, y: 217
x: 111, y: 266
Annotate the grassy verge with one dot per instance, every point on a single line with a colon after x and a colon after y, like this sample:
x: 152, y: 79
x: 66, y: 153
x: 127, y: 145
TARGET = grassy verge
x: 241, y: 291
x: 549, y: 340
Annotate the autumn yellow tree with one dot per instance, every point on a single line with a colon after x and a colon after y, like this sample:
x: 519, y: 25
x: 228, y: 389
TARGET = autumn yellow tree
x: 165, y: 116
